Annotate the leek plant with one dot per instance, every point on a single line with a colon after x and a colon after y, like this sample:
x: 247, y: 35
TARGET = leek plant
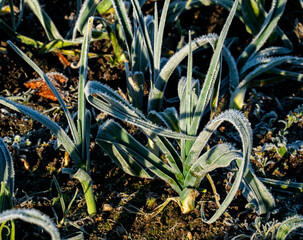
x: 263, y: 67
x: 78, y: 145
x: 255, y: 67
x: 182, y: 169
x: 7, y: 179
x: 58, y: 42
x: 272, y: 229
x: 251, y: 12
x: 143, y: 40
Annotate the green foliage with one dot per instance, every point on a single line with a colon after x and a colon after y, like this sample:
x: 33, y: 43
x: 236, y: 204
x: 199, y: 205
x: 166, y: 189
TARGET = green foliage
x: 65, y: 210
x: 272, y: 229
x: 78, y: 145
x: 251, y: 12
x: 143, y: 39
x: 256, y: 66
x: 283, y: 185
x: 289, y: 225
x: 293, y: 117
x: 279, y: 142
x: 7, y: 177
x: 171, y: 146
x: 12, y: 9
x: 7, y: 213
x: 32, y: 216
x: 55, y: 39
x: 183, y: 170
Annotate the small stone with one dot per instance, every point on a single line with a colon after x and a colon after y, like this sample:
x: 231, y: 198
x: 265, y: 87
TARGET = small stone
x: 107, y: 207
x: 189, y: 236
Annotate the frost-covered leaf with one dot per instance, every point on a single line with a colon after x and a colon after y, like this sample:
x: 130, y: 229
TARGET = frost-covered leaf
x: 32, y: 216
x: 46, y: 22
x: 288, y: 226
x: 106, y: 100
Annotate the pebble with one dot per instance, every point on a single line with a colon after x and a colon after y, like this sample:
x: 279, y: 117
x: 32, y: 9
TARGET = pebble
x: 107, y: 207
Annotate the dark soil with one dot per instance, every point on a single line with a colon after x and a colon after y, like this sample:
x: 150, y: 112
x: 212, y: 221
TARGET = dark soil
x: 124, y: 202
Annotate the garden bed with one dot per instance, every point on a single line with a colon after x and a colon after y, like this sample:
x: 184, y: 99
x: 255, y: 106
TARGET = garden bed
x: 125, y: 203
